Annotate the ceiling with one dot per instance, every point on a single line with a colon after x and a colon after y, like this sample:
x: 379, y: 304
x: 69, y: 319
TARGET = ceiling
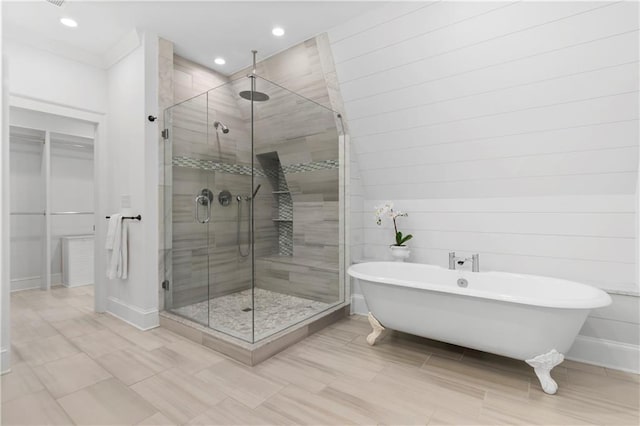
x: 200, y: 30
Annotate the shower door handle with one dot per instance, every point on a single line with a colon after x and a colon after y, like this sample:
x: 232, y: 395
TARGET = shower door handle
x: 201, y: 200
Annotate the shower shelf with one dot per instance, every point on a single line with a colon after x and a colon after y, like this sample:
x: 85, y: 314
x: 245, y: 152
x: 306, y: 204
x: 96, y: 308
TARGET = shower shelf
x: 282, y: 220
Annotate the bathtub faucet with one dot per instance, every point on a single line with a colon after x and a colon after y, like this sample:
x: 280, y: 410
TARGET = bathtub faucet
x: 475, y: 261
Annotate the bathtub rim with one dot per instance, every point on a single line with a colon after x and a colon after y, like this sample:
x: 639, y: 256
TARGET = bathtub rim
x: 602, y: 300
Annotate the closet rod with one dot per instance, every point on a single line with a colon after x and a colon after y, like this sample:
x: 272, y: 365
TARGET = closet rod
x: 28, y: 213
x: 52, y: 213
x: 63, y: 213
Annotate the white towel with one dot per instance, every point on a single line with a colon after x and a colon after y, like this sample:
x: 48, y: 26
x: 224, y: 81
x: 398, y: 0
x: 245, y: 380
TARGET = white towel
x: 115, y: 222
x: 117, y: 246
x: 124, y: 252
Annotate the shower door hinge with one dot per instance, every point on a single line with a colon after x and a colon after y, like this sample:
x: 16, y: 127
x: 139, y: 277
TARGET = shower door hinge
x: 165, y: 134
x: 165, y: 285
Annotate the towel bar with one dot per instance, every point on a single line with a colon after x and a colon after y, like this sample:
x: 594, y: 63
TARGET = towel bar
x: 139, y: 217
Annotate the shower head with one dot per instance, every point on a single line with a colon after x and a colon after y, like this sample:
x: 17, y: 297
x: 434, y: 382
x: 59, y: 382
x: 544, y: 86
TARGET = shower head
x: 256, y: 191
x: 255, y: 95
x: 220, y: 126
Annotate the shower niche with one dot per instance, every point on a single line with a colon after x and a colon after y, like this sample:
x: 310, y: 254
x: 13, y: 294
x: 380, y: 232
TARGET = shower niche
x: 282, y: 212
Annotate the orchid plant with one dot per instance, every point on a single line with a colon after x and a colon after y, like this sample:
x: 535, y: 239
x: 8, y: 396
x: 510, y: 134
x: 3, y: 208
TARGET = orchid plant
x: 386, y: 210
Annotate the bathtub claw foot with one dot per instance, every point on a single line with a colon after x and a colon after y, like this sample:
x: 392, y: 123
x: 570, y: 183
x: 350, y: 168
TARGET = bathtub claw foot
x: 377, y: 330
x: 542, y: 365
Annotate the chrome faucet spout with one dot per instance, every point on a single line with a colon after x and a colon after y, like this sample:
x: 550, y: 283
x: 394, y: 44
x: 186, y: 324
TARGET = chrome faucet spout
x: 475, y: 261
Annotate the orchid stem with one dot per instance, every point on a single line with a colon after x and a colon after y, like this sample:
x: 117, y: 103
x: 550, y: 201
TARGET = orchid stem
x: 394, y: 225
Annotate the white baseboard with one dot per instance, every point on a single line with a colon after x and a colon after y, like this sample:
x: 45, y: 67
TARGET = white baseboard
x: 358, y: 305
x: 33, y: 283
x: 56, y: 279
x: 5, y: 362
x: 76, y: 285
x: 137, y: 317
x: 606, y: 353
x: 30, y: 283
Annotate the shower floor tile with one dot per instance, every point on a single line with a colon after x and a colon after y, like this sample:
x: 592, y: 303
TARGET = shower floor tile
x: 232, y: 314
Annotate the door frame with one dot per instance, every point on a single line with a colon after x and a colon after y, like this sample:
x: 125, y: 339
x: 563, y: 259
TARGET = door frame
x: 100, y: 181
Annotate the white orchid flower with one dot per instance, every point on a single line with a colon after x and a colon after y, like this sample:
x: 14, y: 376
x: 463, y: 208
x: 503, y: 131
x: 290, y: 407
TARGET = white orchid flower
x: 386, y: 209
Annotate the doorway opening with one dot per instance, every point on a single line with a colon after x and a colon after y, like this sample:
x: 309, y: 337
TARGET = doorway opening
x: 52, y: 191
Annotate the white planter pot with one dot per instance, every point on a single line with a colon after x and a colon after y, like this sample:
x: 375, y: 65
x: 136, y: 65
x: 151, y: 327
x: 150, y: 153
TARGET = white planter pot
x: 400, y: 253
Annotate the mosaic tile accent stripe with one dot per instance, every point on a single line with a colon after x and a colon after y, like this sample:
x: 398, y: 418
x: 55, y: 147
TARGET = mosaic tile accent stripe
x: 310, y: 167
x: 238, y: 169
x: 285, y: 203
x: 284, y: 208
x: 195, y: 163
x: 285, y: 238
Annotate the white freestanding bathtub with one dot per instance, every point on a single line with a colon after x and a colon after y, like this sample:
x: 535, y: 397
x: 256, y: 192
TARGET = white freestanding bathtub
x: 527, y: 317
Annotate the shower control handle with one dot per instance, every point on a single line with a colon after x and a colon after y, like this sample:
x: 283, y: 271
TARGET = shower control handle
x: 202, y: 200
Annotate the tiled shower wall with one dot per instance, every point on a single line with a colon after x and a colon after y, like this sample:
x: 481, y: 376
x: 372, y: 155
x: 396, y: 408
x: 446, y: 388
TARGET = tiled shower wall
x: 305, y: 137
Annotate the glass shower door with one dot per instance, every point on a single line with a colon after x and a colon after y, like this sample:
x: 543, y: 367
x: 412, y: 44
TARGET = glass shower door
x: 189, y: 198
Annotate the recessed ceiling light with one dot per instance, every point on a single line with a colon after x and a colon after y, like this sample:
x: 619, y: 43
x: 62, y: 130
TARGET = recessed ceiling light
x: 277, y: 31
x: 220, y: 61
x: 68, y: 22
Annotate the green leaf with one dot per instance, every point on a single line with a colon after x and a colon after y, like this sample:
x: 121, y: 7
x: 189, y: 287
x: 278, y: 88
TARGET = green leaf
x: 405, y: 239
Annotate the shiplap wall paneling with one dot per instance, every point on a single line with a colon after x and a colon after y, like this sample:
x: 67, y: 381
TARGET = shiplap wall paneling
x: 504, y: 128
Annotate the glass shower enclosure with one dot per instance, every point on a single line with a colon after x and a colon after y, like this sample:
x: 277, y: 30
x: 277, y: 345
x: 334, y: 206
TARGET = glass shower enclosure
x: 254, y: 209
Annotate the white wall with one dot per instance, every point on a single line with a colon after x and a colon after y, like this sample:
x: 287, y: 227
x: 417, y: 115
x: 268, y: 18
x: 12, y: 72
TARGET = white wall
x: 506, y: 129
x: 41, y: 75
x: 133, y: 171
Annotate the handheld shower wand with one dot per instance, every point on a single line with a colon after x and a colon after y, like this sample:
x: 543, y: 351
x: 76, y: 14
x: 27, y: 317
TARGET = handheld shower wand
x: 240, y: 199
x: 256, y: 191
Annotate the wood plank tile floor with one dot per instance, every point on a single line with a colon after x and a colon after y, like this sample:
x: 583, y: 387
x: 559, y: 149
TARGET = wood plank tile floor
x: 72, y: 366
